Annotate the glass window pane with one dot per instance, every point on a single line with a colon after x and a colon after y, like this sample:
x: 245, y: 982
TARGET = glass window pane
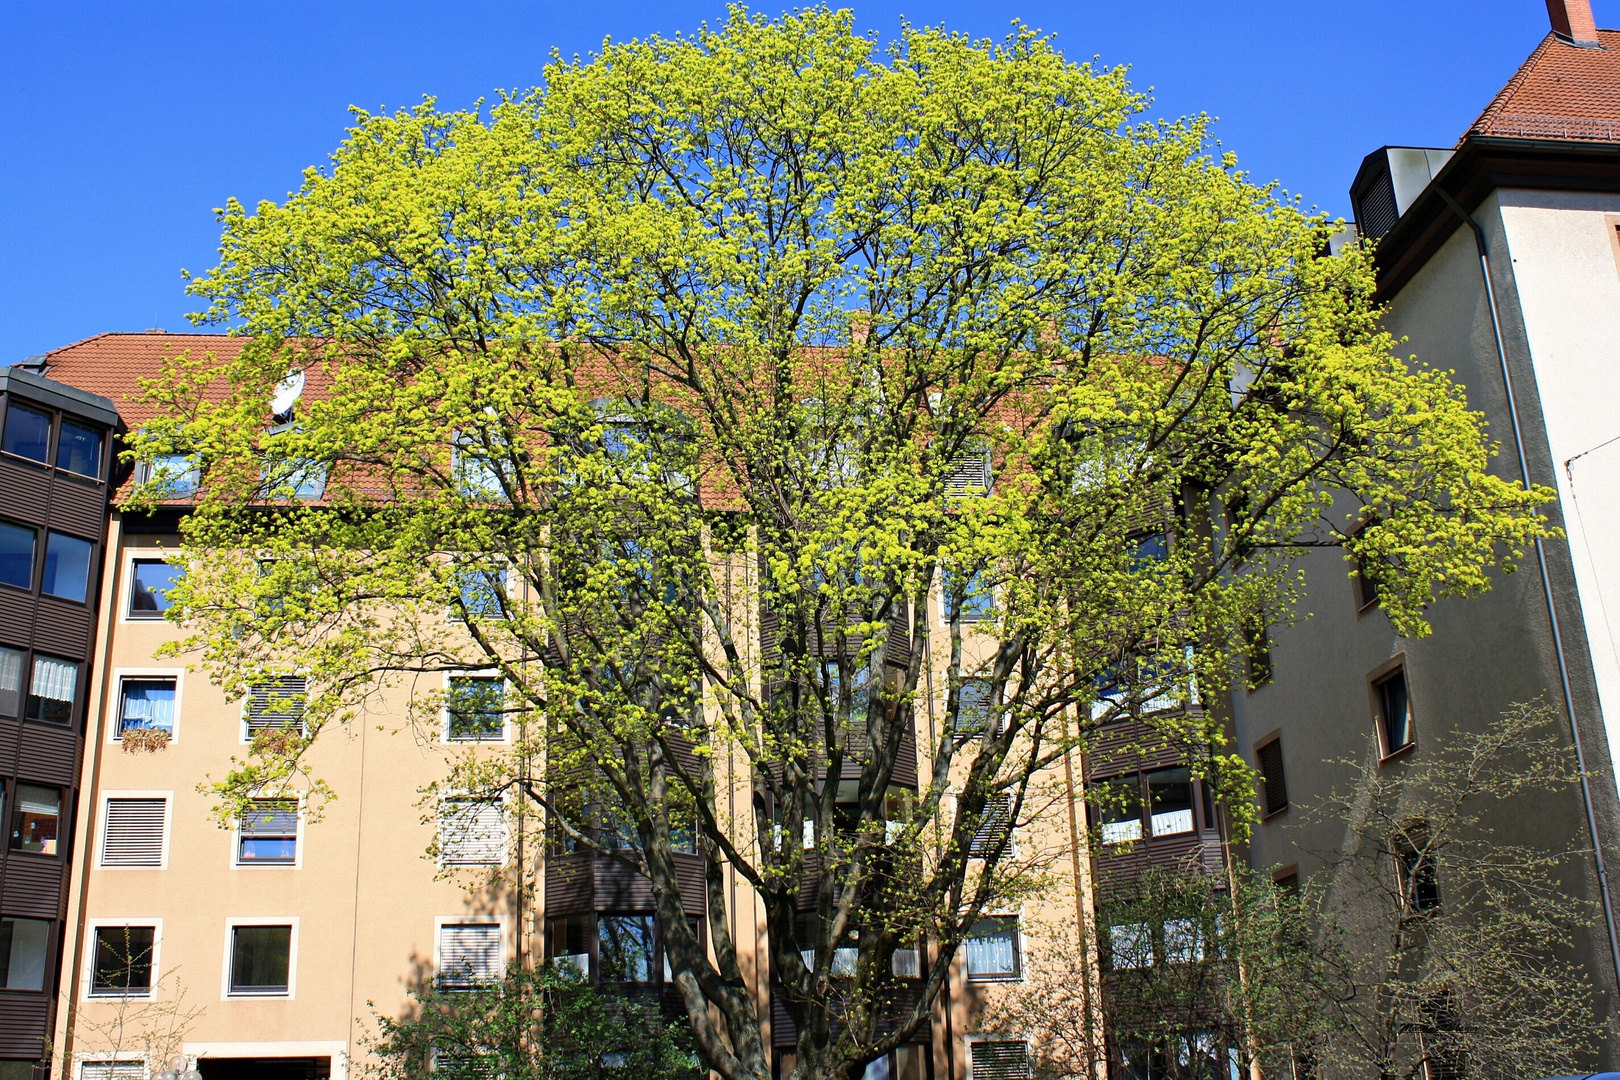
x: 52, y: 689
x: 11, y: 669
x: 67, y: 567
x: 34, y: 819
x: 625, y: 948
x: 28, y: 433
x: 269, y: 834
x: 151, y: 581
x: 1397, y: 713
x: 16, y: 556
x: 475, y: 705
x: 176, y: 475
x: 78, y: 449
x: 146, y: 704
x: 991, y: 948
x: 1119, y: 809
x: 22, y: 953
x: 1170, y: 799
x: 483, y: 591
x: 123, y: 960
x: 259, y: 959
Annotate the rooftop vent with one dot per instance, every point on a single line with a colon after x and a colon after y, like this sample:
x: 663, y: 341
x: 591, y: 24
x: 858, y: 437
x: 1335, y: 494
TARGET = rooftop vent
x: 1390, y: 180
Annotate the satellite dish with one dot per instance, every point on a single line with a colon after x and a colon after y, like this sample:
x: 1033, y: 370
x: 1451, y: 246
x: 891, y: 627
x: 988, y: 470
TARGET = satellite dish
x: 288, y: 391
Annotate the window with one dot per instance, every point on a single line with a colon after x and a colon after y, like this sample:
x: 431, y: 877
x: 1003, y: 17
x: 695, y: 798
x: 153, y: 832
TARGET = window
x: 28, y: 433
x: 970, y: 474
x: 1257, y: 652
x: 1150, y: 552
x: 472, y: 832
x: 968, y: 599
x: 975, y: 702
x: 67, y: 567
x: 113, y: 1069
x: 1183, y: 941
x: 991, y: 948
x: 132, y: 833
x: 150, y: 582
x: 261, y: 960
x: 145, y: 705
x: 78, y: 449
x: 624, y: 948
x: 482, y: 590
x: 1414, y: 860
x: 475, y: 709
x: 1110, y: 695
x: 999, y: 1059
x: 1170, y: 801
x: 267, y: 834
x: 995, y: 830
x: 1394, y: 712
x: 121, y: 961
x: 279, y: 703
x: 470, y: 955
x: 297, y: 478
x: 475, y: 472
x: 1366, y: 579
x: 569, y: 940
x: 52, y: 689
x: 1119, y: 809
x: 1273, y: 787
x: 176, y: 475
x: 11, y: 669
x: 35, y: 819
x: 16, y: 556
x: 1130, y: 945
x: 23, y: 945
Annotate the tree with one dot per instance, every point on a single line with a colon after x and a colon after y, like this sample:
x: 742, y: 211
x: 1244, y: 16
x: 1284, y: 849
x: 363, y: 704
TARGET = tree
x: 538, y: 1024
x: 1456, y: 942
x: 708, y: 351
x: 1202, y: 976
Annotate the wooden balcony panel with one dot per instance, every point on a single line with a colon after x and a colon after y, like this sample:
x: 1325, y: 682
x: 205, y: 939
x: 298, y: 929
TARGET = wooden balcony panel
x: 50, y: 754
x: 24, y: 1023
x: 27, y: 488
x: 32, y: 886
x: 79, y: 507
x: 1117, y: 869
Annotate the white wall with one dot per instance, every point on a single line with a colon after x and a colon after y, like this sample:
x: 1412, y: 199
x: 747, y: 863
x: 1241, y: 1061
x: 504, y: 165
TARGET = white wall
x: 1568, y: 277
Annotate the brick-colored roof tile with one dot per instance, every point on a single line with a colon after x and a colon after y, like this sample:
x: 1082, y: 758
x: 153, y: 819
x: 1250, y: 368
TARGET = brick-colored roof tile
x: 1562, y: 91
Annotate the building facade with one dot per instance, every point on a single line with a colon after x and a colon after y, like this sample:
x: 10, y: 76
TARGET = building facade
x: 55, y: 461
x: 1498, y: 259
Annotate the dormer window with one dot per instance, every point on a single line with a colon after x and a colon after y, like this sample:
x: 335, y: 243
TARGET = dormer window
x: 284, y: 402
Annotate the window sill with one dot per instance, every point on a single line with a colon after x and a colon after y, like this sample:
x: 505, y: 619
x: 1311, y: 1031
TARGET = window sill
x: 1269, y: 814
x: 282, y: 993
x: 1009, y: 977
x: 114, y: 995
x: 42, y: 466
x: 1397, y: 754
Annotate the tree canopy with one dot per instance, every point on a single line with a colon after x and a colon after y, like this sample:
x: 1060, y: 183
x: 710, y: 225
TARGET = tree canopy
x: 805, y: 405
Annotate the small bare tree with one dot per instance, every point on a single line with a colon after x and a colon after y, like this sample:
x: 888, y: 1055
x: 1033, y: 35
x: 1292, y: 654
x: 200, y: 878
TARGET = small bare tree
x: 1458, y: 943
x: 153, y: 1028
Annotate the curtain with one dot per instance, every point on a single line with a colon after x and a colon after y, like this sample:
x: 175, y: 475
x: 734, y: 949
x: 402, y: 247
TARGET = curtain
x: 10, y: 671
x: 54, y: 679
x: 990, y: 949
x: 148, y: 705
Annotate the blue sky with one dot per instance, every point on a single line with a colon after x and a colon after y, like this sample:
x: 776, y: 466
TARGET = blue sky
x: 131, y: 121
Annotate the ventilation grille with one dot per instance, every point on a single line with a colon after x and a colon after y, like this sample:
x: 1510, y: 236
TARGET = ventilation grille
x: 1376, y: 210
x: 470, y: 954
x: 113, y: 1070
x: 969, y: 476
x: 1000, y: 1059
x: 133, y: 834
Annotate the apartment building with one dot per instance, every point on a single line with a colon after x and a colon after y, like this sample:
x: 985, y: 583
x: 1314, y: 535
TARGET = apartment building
x: 1498, y: 258
x: 263, y: 947
x: 55, y: 463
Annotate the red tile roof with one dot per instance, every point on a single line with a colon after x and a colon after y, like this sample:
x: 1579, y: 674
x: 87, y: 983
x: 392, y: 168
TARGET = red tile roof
x: 113, y: 365
x: 1562, y: 91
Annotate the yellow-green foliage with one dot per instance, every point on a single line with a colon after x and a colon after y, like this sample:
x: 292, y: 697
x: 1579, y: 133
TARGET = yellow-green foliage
x: 710, y: 321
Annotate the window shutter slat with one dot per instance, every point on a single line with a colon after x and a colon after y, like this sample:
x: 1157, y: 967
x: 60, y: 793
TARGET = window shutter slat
x: 1000, y: 1059
x: 472, y: 834
x: 132, y: 835
x: 113, y: 1070
x: 269, y: 819
x: 469, y: 953
x: 277, y: 704
x: 995, y: 827
x: 1271, y: 767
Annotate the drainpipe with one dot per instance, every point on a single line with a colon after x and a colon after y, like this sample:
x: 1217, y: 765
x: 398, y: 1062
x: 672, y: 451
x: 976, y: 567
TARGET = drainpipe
x: 1546, y: 583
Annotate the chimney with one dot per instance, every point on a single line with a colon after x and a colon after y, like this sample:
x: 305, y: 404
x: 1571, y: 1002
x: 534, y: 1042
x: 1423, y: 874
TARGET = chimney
x: 1572, y: 21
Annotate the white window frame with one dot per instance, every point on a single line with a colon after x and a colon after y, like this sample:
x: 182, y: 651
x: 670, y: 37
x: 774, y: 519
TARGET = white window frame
x: 116, y: 711
x: 231, y: 923
x: 298, y: 851
x: 101, y: 824
x: 87, y: 983
x: 509, y: 581
x: 1020, y: 956
x: 444, y: 707
x: 126, y: 590
x: 508, y: 947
